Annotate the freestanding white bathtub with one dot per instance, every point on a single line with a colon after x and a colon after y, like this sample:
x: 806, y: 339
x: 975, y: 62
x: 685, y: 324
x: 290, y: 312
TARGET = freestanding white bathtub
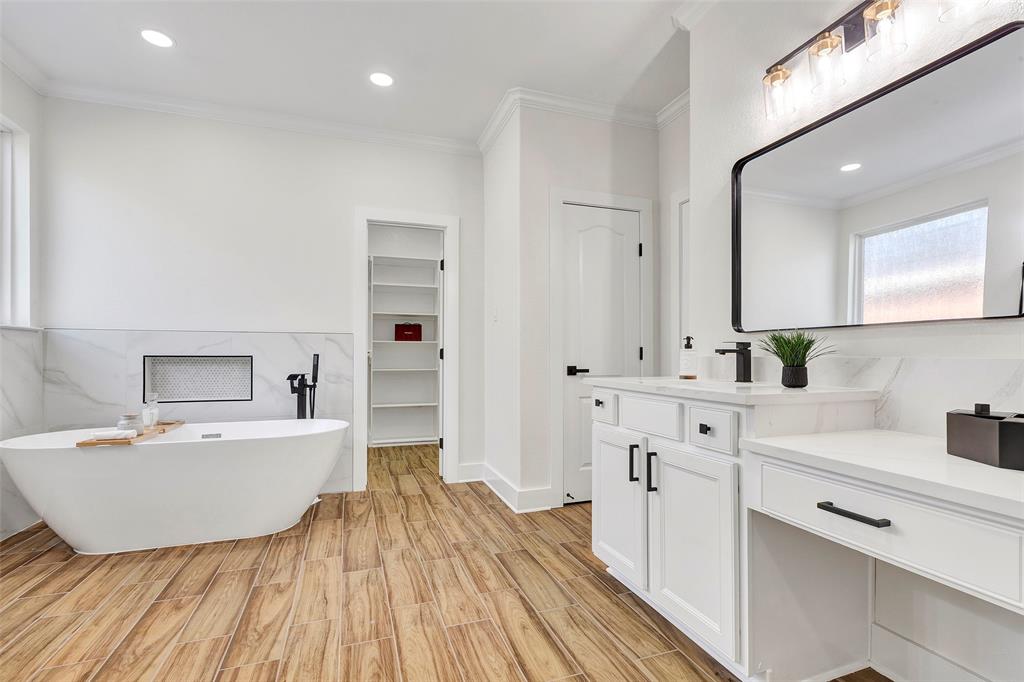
x: 198, y: 483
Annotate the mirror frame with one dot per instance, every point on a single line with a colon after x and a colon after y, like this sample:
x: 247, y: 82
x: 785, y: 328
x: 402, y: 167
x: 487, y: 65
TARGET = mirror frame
x: 737, y: 170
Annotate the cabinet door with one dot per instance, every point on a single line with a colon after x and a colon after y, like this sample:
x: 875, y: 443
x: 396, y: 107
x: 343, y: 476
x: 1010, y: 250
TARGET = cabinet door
x: 693, y: 541
x: 620, y: 506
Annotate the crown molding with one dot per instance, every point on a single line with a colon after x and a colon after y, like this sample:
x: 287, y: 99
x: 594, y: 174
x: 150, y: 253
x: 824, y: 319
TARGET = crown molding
x: 258, y: 118
x: 674, y: 109
x: 22, y: 66
x: 516, y: 98
x: 690, y: 13
x: 792, y: 199
x: 47, y: 87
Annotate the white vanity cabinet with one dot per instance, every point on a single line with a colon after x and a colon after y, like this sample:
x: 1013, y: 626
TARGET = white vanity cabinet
x: 666, y: 479
x: 619, y: 518
x: 693, y: 530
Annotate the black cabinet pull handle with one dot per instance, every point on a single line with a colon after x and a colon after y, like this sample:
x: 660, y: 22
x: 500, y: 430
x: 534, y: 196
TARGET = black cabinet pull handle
x: 598, y: 402
x: 573, y: 370
x: 632, y: 475
x: 650, y: 457
x: 704, y: 429
x: 832, y: 509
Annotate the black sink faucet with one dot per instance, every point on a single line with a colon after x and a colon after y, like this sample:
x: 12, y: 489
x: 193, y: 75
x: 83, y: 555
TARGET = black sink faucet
x: 742, y: 351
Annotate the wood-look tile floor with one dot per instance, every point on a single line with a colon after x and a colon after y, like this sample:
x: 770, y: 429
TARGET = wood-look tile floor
x: 410, y: 580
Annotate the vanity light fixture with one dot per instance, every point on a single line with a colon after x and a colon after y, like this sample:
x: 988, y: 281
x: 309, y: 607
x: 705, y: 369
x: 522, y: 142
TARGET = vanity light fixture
x: 156, y: 38
x: 825, y: 56
x: 849, y: 167
x: 884, y: 31
x: 381, y: 79
x: 951, y: 10
x: 778, y: 96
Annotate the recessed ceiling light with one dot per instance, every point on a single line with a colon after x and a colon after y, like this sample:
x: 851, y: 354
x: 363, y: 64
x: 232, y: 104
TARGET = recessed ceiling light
x: 382, y: 79
x: 157, y: 38
x: 849, y: 167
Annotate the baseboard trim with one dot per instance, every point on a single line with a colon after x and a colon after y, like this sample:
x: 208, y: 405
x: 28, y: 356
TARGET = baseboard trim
x: 519, y: 500
x: 839, y: 672
x: 471, y: 472
x: 900, y: 659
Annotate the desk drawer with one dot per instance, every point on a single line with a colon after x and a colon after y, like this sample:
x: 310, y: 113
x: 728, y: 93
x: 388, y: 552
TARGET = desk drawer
x: 713, y: 429
x: 605, y: 407
x: 974, y: 554
x: 659, y: 417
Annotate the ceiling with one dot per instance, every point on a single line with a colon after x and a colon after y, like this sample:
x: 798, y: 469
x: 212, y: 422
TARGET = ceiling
x: 971, y: 109
x: 452, y: 61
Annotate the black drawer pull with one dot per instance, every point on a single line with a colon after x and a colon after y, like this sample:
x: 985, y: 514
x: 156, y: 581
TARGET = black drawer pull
x: 704, y: 429
x: 832, y: 509
x: 632, y: 475
x: 598, y: 402
x: 650, y: 488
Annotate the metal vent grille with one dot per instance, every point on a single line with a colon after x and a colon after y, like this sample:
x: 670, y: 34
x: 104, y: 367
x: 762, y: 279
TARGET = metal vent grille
x: 198, y: 378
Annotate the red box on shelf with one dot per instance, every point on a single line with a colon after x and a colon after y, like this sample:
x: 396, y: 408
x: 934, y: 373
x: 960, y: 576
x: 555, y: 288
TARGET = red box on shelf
x: 408, y: 331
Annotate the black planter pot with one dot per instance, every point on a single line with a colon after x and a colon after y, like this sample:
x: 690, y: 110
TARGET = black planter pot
x: 794, y: 377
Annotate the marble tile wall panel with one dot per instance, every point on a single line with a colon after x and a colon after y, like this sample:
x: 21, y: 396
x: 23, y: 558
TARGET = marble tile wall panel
x: 92, y: 376
x: 21, y: 413
x: 916, y: 392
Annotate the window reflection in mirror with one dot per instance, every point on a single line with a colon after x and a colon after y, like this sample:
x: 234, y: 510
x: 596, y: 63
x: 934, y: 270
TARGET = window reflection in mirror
x: 908, y: 208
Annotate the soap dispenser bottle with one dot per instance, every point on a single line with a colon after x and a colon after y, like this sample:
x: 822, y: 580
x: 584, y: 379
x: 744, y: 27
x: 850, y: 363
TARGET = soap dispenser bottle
x: 687, y: 359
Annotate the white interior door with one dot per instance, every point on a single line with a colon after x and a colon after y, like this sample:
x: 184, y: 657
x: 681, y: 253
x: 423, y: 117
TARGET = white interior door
x: 602, y: 322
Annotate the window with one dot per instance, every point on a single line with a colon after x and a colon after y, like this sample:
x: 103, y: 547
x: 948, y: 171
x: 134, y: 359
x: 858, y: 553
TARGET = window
x: 14, y: 228
x: 931, y: 269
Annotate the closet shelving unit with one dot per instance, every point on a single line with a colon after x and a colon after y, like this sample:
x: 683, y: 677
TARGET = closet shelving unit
x: 405, y: 376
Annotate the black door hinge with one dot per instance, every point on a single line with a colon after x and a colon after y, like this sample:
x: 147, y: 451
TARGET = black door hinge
x: 641, y: 250
x: 442, y: 263
x: 442, y: 353
x: 440, y: 443
x: 641, y: 352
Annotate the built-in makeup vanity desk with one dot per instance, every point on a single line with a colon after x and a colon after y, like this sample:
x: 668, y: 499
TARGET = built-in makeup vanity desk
x: 667, y: 498
x: 752, y: 516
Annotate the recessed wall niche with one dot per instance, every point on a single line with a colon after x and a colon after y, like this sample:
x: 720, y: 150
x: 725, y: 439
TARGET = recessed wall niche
x: 197, y: 378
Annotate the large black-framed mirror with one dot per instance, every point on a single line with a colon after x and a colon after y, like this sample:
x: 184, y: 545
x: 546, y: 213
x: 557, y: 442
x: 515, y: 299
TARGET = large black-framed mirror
x: 904, y: 206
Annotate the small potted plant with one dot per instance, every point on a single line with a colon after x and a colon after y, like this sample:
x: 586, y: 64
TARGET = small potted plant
x: 795, y: 349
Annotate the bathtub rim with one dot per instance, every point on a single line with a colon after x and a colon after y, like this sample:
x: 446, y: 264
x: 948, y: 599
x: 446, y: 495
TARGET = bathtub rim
x: 24, y: 442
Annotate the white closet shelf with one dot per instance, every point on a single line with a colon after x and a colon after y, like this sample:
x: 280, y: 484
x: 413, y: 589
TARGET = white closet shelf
x: 406, y: 369
x: 406, y: 261
x: 395, y: 441
x: 403, y: 285
x: 404, y: 343
x: 395, y: 314
x: 390, y: 405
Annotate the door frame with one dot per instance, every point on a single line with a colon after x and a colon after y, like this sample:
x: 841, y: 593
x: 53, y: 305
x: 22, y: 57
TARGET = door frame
x: 645, y: 208
x: 449, y: 224
x: 679, y: 280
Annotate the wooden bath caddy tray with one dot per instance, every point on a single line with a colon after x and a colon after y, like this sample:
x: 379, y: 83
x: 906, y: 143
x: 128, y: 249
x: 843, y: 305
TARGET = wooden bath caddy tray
x: 161, y: 427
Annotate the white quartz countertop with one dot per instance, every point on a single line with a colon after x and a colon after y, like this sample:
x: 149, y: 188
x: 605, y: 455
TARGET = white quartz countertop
x: 731, y: 392
x: 918, y: 464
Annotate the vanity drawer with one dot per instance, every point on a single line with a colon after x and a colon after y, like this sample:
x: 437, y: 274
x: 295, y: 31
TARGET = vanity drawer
x: 977, y: 555
x: 659, y: 417
x: 713, y: 429
x: 605, y: 407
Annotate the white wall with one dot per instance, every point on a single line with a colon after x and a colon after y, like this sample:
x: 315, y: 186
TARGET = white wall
x: 569, y: 152
x: 789, y: 256
x: 997, y: 183
x: 235, y: 228
x: 673, y: 187
x: 728, y: 122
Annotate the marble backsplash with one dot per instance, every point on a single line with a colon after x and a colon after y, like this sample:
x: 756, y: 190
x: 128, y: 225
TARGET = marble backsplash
x: 916, y: 392
x: 21, y: 413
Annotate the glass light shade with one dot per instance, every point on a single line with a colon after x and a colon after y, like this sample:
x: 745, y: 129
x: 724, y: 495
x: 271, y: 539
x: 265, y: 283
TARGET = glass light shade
x: 884, y: 31
x: 778, y: 92
x: 951, y: 10
x: 825, y: 58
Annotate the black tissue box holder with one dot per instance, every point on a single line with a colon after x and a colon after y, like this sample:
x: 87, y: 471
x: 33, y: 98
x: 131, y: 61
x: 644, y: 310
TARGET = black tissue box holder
x: 994, y: 438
